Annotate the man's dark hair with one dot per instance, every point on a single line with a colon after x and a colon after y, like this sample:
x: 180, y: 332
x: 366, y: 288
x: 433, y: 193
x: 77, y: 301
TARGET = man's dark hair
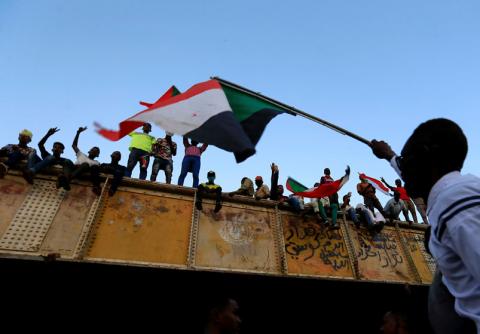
x: 438, y: 138
x: 59, y: 144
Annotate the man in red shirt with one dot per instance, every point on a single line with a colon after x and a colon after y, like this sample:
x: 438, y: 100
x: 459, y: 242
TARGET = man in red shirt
x: 405, y: 198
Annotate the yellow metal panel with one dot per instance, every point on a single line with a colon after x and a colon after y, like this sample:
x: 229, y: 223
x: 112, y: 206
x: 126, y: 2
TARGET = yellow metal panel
x: 143, y: 227
x: 237, y: 238
x: 380, y: 258
x: 67, y: 225
x: 33, y: 219
x: 424, y: 263
x: 315, y: 250
x: 13, y: 191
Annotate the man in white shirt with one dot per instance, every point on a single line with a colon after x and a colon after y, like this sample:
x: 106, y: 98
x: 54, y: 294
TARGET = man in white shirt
x: 394, y: 206
x: 84, y: 163
x: 430, y: 166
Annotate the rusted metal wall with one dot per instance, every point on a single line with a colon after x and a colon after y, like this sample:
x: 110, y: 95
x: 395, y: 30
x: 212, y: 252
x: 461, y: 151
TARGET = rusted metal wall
x: 314, y: 250
x: 13, y: 191
x: 66, y: 227
x: 237, y: 238
x: 156, y: 225
x: 380, y: 258
x: 424, y: 263
x: 143, y: 227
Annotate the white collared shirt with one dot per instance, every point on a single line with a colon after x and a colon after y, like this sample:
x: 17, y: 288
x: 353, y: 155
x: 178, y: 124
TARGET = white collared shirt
x: 453, y: 210
x: 454, y: 213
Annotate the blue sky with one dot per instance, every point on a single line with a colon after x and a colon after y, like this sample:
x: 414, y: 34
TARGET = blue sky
x: 377, y: 68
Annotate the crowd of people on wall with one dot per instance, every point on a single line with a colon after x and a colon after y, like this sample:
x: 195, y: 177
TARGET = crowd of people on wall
x: 429, y: 164
x: 144, y: 146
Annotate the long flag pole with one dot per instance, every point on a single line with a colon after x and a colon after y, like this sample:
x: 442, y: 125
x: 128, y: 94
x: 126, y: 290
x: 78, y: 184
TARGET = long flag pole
x: 294, y: 111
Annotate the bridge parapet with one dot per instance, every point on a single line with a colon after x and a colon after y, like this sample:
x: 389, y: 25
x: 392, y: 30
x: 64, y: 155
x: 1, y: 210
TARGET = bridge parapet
x: 156, y: 225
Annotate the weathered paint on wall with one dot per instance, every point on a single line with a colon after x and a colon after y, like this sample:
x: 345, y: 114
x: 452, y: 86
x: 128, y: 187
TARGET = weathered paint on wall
x: 312, y: 249
x: 67, y: 225
x: 143, y: 227
x: 154, y: 227
x: 13, y: 191
x: 380, y: 258
x: 424, y: 263
x: 236, y: 238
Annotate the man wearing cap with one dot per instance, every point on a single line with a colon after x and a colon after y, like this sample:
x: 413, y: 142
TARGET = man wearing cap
x: 18, y: 152
x: 48, y: 159
x: 163, y: 150
x: 140, y: 148
x: 209, y: 188
x: 262, y: 191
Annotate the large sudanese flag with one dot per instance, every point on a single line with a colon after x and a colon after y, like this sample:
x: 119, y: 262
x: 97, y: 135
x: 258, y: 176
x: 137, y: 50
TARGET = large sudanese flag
x: 213, y: 113
x: 129, y: 125
x: 326, y: 189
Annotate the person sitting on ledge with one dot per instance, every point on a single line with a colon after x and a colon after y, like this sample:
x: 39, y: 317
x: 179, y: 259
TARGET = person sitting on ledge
x: 209, y: 188
x: 18, y: 152
x: 113, y: 168
x: 246, y: 188
x: 262, y: 191
x: 83, y: 164
x: 394, y: 206
x: 48, y: 159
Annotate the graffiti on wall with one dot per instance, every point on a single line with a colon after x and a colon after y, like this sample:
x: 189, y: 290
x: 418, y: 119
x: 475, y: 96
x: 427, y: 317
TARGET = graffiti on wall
x: 380, y: 256
x: 236, y: 238
x: 383, y: 247
x: 314, y: 249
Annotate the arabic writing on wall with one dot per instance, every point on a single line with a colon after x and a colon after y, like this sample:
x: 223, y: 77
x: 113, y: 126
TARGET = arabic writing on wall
x: 306, y: 240
x: 383, y: 247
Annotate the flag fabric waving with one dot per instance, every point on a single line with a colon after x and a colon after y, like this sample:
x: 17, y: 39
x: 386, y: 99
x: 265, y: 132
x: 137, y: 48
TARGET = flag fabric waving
x: 326, y: 189
x: 294, y: 186
x: 377, y: 184
x: 130, y: 124
x: 173, y: 91
x: 213, y: 113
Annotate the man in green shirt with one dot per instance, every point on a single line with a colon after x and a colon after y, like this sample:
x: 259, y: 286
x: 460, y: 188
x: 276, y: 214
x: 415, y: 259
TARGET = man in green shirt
x: 140, y: 148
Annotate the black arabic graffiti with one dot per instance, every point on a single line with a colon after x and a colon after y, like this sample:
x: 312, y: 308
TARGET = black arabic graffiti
x: 384, y: 248
x: 308, y: 240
